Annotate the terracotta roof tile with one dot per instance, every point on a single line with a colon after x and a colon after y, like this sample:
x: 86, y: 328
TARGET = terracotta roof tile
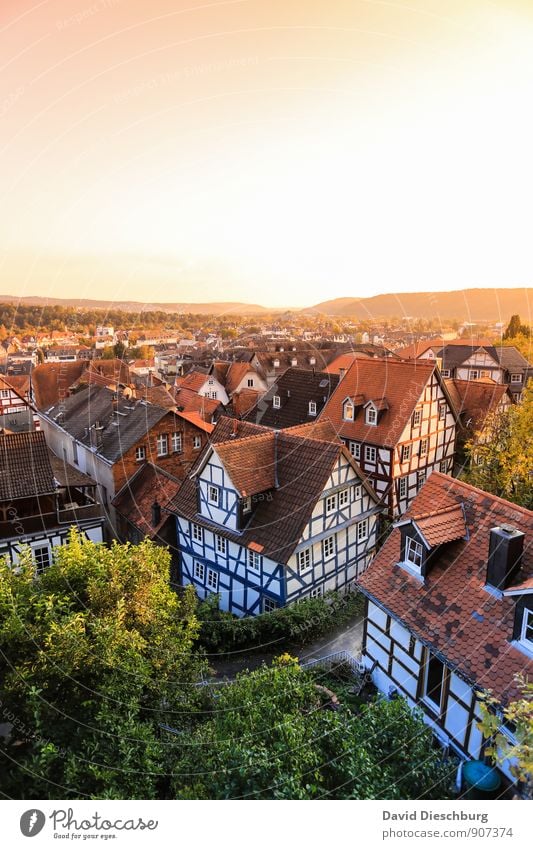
x: 135, y: 499
x: 443, y: 525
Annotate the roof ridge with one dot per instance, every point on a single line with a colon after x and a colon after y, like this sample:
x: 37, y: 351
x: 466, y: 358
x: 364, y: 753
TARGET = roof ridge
x: 484, y: 492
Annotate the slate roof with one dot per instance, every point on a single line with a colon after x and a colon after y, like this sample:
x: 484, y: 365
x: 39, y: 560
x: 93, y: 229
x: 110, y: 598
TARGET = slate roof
x: 451, y: 611
x: 25, y: 468
x: 77, y: 413
x: 302, y: 466
x: 135, y: 499
x: 295, y: 388
x: 399, y: 383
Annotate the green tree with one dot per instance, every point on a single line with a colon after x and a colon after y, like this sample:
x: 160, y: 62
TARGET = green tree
x: 95, y: 652
x: 515, y: 328
x: 501, y: 457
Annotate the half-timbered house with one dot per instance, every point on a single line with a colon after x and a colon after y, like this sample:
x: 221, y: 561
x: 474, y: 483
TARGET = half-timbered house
x: 399, y: 423
x: 449, y: 607
x: 16, y: 413
x: 265, y: 519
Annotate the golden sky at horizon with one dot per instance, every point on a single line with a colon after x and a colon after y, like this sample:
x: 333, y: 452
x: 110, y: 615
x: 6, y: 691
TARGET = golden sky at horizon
x: 279, y: 152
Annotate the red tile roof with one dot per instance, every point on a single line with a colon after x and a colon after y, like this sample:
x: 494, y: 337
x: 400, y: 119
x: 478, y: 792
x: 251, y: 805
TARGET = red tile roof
x: 135, y: 499
x: 396, y: 382
x: 235, y: 374
x: 443, y: 525
x: 451, y: 611
x: 197, y: 421
x: 475, y: 399
x: 250, y: 462
x: 194, y: 380
x: 52, y: 381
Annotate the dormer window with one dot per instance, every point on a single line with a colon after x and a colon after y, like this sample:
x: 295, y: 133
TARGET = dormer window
x: 294, y: 361
x: 526, y: 633
x: 276, y: 402
x: 312, y: 408
x: 247, y: 504
x: 371, y: 415
x: 276, y: 363
x: 347, y: 411
x: 414, y: 553
x: 312, y: 361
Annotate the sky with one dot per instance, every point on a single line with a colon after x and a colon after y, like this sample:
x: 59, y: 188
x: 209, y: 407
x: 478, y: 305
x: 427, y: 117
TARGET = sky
x: 280, y: 152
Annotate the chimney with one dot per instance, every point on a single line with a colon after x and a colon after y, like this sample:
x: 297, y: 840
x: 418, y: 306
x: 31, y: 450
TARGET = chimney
x: 506, y: 545
x: 342, y: 372
x: 96, y: 433
x: 156, y: 513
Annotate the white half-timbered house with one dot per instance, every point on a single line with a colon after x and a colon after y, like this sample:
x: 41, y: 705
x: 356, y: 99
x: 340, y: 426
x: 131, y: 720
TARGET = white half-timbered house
x: 16, y: 413
x: 449, y: 610
x: 265, y: 518
x: 399, y: 423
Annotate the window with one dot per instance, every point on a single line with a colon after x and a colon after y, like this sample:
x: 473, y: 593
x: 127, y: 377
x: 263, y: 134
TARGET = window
x: 402, y: 488
x: 355, y: 450
x: 406, y: 453
x: 370, y: 454
x: 140, y: 453
x: 331, y: 504
x: 362, y: 530
x: 347, y: 412
x: 250, y: 382
x: 316, y: 592
x: 276, y: 402
x: 269, y: 605
x: 445, y: 372
x: 213, y: 394
x: 312, y: 361
x: 254, y: 560
x: 442, y: 411
x: 423, y: 447
x: 434, y: 679
x: 247, y: 504
x: 213, y: 494
x: 526, y: 635
x: 197, y: 533
x: 41, y: 557
x: 421, y: 479
x: 4, y: 393
x: 162, y: 445
x: 357, y: 491
x: 312, y: 408
x: 417, y: 417
x: 413, y: 553
x: 75, y: 451
x: 222, y: 545
x: 303, y: 560
x: 276, y: 363
x: 328, y: 548
x: 473, y: 374
x: 196, y: 442
x: 199, y: 571
x: 516, y: 378
x: 344, y: 498
x: 371, y: 415
x: 212, y: 579
x: 443, y: 467
x: 177, y: 443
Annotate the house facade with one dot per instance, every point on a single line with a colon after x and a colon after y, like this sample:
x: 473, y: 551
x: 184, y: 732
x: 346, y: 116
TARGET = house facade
x: 449, y: 608
x: 399, y: 423
x: 266, y: 519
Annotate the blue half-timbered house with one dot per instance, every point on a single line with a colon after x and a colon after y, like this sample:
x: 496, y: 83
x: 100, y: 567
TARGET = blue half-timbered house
x: 265, y: 519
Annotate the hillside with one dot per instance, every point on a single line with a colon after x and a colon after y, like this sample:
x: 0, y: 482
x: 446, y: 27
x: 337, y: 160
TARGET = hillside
x: 222, y: 308
x: 466, y: 304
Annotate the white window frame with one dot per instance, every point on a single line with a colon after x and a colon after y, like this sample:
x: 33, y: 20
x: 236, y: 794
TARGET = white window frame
x: 329, y: 547
x: 357, y: 491
x: 254, y: 560
x: 222, y: 545
x: 516, y: 378
x: 269, y: 605
x: 443, y: 467
x: 199, y: 571
x: 276, y: 402
x: 247, y: 505
x: 362, y: 530
x: 197, y: 532
x: 4, y: 393
x: 442, y: 411
x: 330, y: 504
x: 402, y: 487
x: 317, y: 592
x: 162, y: 442
x: 38, y: 559
x: 417, y: 417
x: 348, y: 406
x: 177, y: 442
x: 406, y: 451
x: 213, y: 494
x: 371, y: 417
x: 526, y: 624
x: 312, y: 408
x: 212, y: 580
x: 140, y: 453
x: 355, y: 450
x: 196, y: 442
x: 414, y: 551
x: 421, y: 478
x: 371, y: 454
x: 424, y: 447
x: 303, y: 560
x: 445, y: 372
x: 343, y: 498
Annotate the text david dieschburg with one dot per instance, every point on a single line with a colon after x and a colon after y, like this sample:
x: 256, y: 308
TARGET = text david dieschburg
x: 421, y: 816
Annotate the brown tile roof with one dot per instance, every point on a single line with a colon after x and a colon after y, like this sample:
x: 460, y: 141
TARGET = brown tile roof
x: 52, y: 381
x: 135, y: 499
x: 443, y: 525
x: 451, y: 611
x: 475, y: 399
x: 196, y: 419
x: 194, y: 380
x: 19, y: 382
x: 236, y: 373
x: 190, y: 402
x: 399, y: 383
x: 25, y: 468
x: 250, y: 462
x: 322, y: 429
x: 244, y: 401
x: 344, y: 361
x: 219, y: 370
x: 303, y: 467
x: 67, y: 475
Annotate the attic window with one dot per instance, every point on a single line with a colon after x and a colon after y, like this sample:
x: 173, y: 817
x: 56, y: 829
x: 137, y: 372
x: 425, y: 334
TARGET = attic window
x: 247, y: 504
x: 276, y: 363
x: 417, y: 417
x: 526, y: 633
x: 414, y: 553
x: 347, y: 411
x: 312, y: 408
x: 276, y: 402
x: 294, y: 361
x: 312, y: 361
x: 371, y: 415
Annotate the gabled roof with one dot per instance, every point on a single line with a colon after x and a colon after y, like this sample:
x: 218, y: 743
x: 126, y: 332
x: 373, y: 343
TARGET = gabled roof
x: 295, y: 388
x: 52, y: 381
x: 344, y: 361
x: 25, y: 468
x: 19, y: 383
x: 475, y: 399
x: 194, y: 380
x: 235, y: 374
x: 134, y: 501
x: 440, y: 526
x: 196, y: 420
x: 300, y: 471
x: 400, y: 382
x: 451, y: 611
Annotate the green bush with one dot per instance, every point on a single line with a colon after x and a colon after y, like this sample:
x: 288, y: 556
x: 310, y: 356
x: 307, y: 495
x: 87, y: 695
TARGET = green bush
x: 302, y: 622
